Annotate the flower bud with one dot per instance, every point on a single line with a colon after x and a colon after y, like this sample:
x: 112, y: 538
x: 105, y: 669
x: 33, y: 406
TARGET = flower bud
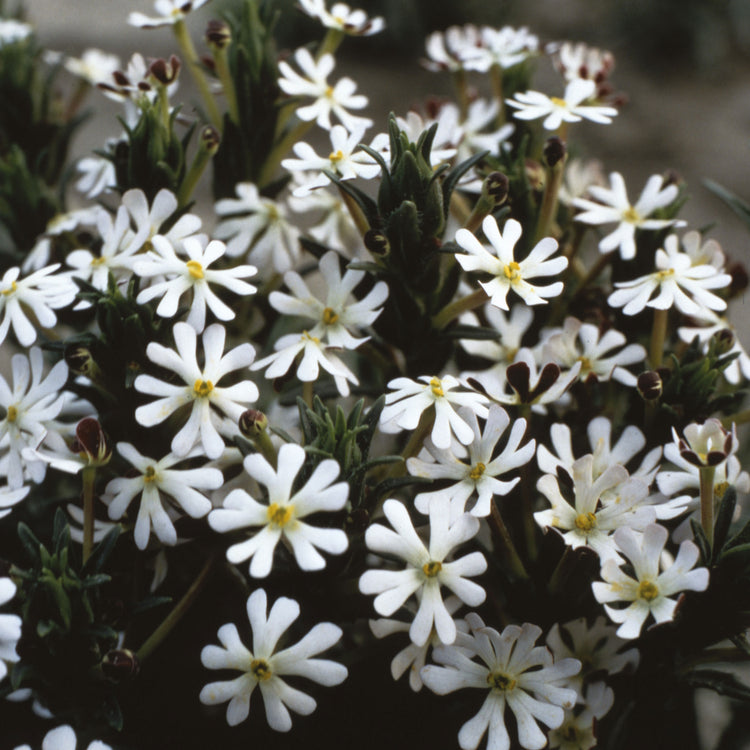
x: 166, y: 72
x: 650, y: 385
x: 218, y: 34
x: 377, y: 243
x: 495, y: 187
x: 91, y: 442
x: 707, y: 444
x: 80, y: 362
x: 723, y: 341
x: 121, y: 664
x: 253, y: 423
x: 210, y: 140
x: 554, y: 151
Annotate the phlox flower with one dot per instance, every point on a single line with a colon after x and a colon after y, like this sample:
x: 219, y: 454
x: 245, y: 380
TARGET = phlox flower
x: 587, y: 521
x: 428, y: 568
x: 314, y: 356
x: 572, y: 107
x: 41, y: 292
x: 264, y: 666
x: 612, y: 205
x: 508, y: 274
x: 335, y: 318
x: 649, y: 590
x: 578, y: 730
x: 504, y: 47
x: 157, y: 479
x: 451, y: 49
x: 201, y: 390
x: 282, y: 517
x: 409, y: 399
x: 578, y: 60
x: 193, y: 273
x: 329, y: 100
x: 64, y: 738
x: 31, y: 405
x: 516, y: 674
x: 170, y: 12
x: 12, y: 31
x: 93, y: 66
x: 585, y: 343
x: 676, y: 282
x: 341, y: 17
x: 479, y: 474
x: 344, y: 160
x: 257, y: 226
x: 10, y: 628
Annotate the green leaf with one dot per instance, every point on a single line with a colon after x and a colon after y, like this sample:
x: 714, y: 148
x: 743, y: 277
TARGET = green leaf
x: 30, y: 543
x: 723, y: 683
x: 702, y: 541
x: 732, y: 200
x: 102, y: 551
x: 724, y: 519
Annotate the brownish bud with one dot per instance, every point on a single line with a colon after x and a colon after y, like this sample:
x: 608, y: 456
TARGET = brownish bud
x: 495, y: 187
x: 723, y: 341
x: 165, y: 72
x: 91, y: 442
x: 377, y: 243
x: 210, y: 139
x: 80, y: 362
x: 121, y: 664
x: 252, y: 423
x: 650, y: 385
x: 218, y: 34
x: 554, y: 151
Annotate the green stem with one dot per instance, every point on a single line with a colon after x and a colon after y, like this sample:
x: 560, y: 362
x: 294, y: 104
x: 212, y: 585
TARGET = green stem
x: 307, y: 392
x: 171, y: 620
x: 221, y: 59
x: 658, y: 337
x: 509, y: 549
x: 89, y: 475
x: 459, y: 208
x: 496, y: 81
x: 706, y: 474
x: 548, y: 209
x: 482, y: 208
x: 280, y: 150
x: 452, y: 311
x: 462, y: 93
x: 191, y: 56
x: 562, y: 572
x: 741, y: 417
x: 330, y: 43
x: 198, y: 166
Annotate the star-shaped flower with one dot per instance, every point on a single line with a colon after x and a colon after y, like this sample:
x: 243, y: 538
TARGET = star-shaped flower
x: 201, y: 390
x: 264, y: 666
x: 341, y: 17
x: 509, y: 274
x: 170, y: 12
x: 282, y: 517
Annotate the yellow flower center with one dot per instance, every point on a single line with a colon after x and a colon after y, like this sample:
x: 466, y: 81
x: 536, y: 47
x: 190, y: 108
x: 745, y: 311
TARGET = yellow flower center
x: 329, y: 93
x: 97, y: 262
x: 306, y: 335
x: 195, y: 269
x: 336, y: 156
x: 436, y: 387
x: 12, y: 288
x: 330, y: 316
x: 569, y: 733
x: 203, y: 388
x: 261, y: 669
x: 647, y: 591
x: 500, y: 681
x: 661, y: 275
x: 477, y: 471
x: 150, y: 474
x: 586, y: 521
x: 512, y: 271
x: 558, y: 102
x: 631, y: 216
x: 432, y: 568
x: 12, y: 414
x: 585, y: 364
x: 279, y: 515
x: 719, y: 489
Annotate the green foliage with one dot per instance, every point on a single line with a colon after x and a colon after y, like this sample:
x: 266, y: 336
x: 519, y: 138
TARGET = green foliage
x: 65, y: 631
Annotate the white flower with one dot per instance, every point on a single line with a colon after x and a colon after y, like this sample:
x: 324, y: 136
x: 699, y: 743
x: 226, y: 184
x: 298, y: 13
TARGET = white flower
x: 335, y: 318
x: 170, y: 12
x: 504, y: 47
x: 341, y: 17
x: 201, y: 388
x: 578, y: 730
x: 314, y: 356
x: 31, y: 406
x: 10, y: 628
x: 158, y: 479
x: 98, y: 176
x: 409, y: 399
x: 649, y: 590
x: 579, y: 177
x: 578, y: 60
x: 427, y: 568
x: 452, y: 48
x: 707, y: 444
x: 193, y: 273
x: 676, y: 282
x: 588, y: 522
x: 613, y: 206
x: 517, y: 674
x: 328, y: 99
x: 264, y: 666
x: 585, y: 343
x: 282, y: 517
x: 64, y: 738
x: 413, y: 657
x: 507, y: 272
x: 41, y: 292
x: 93, y: 66
x: 12, y: 31
x: 344, y: 160
x: 532, y: 105
x: 480, y: 474
x: 258, y: 226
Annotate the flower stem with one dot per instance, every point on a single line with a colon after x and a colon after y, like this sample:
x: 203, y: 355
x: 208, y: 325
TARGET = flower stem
x: 462, y: 93
x: 221, y: 58
x: 706, y: 474
x: 562, y: 572
x: 658, y: 337
x: 280, y: 150
x: 508, y: 548
x: 452, y: 311
x: 171, y: 620
x: 307, y: 392
x: 482, y: 208
x: 330, y: 43
x: 89, y: 475
x: 496, y: 81
x: 188, y: 50
x: 548, y: 209
x: 741, y: 417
